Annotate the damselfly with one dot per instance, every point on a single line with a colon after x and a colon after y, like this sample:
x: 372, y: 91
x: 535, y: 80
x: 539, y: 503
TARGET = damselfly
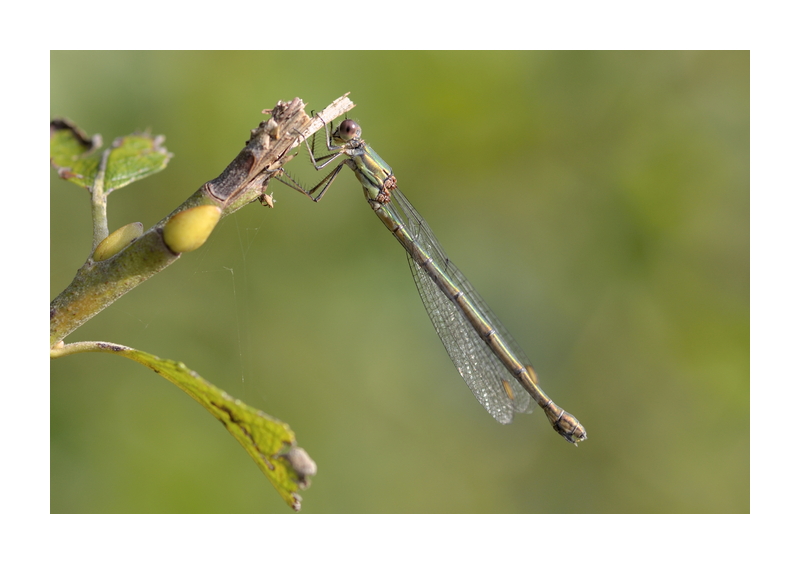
x: 492, y: 364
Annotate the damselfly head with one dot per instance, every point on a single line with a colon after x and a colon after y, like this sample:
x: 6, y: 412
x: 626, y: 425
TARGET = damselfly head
x: 347, y: 131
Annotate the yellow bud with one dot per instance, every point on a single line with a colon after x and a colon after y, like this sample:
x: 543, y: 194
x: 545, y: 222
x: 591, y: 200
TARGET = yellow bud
x: 189, y: 229
x: 117, y: 241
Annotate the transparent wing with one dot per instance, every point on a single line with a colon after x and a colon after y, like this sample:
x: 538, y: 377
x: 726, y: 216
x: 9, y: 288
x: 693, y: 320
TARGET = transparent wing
x: 475, y: 361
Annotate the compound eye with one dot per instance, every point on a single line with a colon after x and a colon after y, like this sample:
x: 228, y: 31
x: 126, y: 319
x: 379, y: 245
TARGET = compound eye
x: 349, y: 129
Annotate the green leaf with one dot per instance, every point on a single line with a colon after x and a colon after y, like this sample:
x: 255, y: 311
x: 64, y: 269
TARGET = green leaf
x: 133, y: 157
x: 270, y: 442
x: 73, y: 154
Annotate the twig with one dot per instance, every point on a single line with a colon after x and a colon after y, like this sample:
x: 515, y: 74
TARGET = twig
x: 99, y: 284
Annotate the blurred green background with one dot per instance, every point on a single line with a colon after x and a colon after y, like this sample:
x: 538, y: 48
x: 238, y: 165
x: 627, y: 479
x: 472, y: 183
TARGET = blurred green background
x: 599, y: 201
